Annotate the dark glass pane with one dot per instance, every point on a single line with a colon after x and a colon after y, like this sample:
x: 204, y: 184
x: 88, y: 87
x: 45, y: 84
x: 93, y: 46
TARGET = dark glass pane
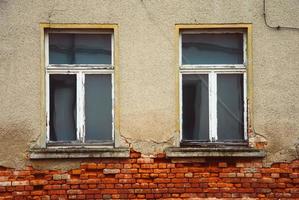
x: 79, y: 48
x: 98, y: 107
x: 230, y: 107
x: 62, y: 107
x: 195, y: 107
x: 208, y: 48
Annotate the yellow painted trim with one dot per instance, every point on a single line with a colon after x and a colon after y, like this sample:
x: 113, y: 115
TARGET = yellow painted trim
x: 79, y: 26
x: 43, y: 91
x: 116, y: 86
x: 114, y: 27
x: 249, y: 67
x: 249, y: 78
x: 210, y: 26
x: 177, y: 78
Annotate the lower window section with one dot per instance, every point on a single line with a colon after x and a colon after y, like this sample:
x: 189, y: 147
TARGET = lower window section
x: 80, y: 108
x: 225, y: 95
x: 230, y: 107
x: 98, y: 107
x: 196, y: 107
x: 63, y: 107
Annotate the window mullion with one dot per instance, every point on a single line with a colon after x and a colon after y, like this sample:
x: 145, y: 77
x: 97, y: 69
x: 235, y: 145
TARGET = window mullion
x: 80, y: 107
x: 47, y: 107
x: 245, y: 105
x: 83, y: 106
x: 213, y: 106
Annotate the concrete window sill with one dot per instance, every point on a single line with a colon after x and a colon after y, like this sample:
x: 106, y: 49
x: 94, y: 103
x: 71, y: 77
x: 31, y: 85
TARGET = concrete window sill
x: 78, y: 152
x: 238, y: 152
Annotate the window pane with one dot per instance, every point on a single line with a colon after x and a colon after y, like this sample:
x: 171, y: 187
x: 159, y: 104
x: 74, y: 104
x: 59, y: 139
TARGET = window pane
x: 208, y: 48
x: 98, y: 107
x: 79, y: 48
x: 62, y: 107
x: 195, y: 107
x: 230, y: 107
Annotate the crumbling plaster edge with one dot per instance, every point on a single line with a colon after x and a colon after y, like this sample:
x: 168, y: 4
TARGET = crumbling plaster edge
x: 65, y: 153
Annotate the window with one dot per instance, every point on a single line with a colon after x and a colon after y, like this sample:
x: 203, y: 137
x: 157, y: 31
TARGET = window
x: 213, y: 85
x: 79, y: 86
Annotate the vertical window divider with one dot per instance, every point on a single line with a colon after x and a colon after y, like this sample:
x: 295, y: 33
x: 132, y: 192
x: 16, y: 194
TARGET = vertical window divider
x: 47, y: 85
x: 80, y: 106
x: 213, y: 106
x: 83, y: 106
x: 113, y: 103
x: 47, y: 107
x: 181, y: 105
x: 245, y: 104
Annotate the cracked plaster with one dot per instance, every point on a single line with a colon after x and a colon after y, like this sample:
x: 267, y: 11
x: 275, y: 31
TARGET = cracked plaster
x: 147, y: 69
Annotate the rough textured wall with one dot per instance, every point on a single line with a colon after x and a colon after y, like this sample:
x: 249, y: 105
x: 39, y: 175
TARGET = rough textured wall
x: 148, y: 69
x: 159, y: 178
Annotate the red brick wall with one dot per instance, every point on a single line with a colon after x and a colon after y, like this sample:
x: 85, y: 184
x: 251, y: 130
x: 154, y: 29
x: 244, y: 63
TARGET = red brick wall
x: 154, y: 178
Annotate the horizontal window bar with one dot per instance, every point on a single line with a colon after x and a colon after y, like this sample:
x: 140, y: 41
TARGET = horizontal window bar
x: 80, y: 144
x: 213, y: 31
x: 79, y: 66
x: 219, y: 71
x: 214, y: 66
x: 84, y: 31
x: 75, y: 71
x: 205, y: 143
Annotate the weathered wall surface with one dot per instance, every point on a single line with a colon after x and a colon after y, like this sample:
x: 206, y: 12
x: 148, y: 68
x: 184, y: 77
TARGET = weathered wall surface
x: 147, y: 56
x: 154, y: 178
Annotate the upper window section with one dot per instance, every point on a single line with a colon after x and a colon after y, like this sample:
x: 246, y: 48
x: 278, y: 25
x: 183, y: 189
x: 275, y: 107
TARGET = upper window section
x: 73, y: 48
x: 206, y: 48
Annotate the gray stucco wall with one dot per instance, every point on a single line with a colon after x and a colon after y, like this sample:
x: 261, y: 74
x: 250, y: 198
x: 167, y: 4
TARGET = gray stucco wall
x: 147, y: 68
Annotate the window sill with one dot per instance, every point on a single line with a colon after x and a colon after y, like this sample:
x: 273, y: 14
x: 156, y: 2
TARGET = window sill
x: 238, y: 152
x: 78, y: 152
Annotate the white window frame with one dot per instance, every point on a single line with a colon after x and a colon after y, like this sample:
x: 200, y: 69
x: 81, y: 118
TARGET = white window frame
x: 212, y: 70
x: 79, y: 70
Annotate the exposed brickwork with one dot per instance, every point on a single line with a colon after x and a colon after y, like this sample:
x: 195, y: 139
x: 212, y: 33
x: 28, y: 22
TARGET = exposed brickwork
x: 154, y: 178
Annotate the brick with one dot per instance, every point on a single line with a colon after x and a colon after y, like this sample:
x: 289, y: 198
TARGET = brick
x: 162, y: 165
x: 162, y: 180
x: 111, y: 171
x: 267, y: 180
x: 160, y: 190
x: 145, y: 160
x: 230, y: 175
x: 21, y: 173
x: 179, y: 180
x: 275, y: 175
x: 129, y: 180
x: 114, y: 166
x: 74, y: 192
x: 91, y: 166
x: 109, y: 191
x: 179, y: 170
x: 16, y: 183
x: 37, y: 193
x: 129, y: 171
x: 149, y: 165
x: 135, y: 155
x: 5, y: 183
x: 241, y: 165
x: 222, y: 164
x: 189, y: 175
x: 76, y: 171
x: 143, y: 191
x: 38, y: 182
x: 158, y: 171
x: 74, y: 181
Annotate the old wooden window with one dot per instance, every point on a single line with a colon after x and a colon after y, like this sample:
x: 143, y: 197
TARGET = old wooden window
x: 213, y: 85
x: 79, y: 86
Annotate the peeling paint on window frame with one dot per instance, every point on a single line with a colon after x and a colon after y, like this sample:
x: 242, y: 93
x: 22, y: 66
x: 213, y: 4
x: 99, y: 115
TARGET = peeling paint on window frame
x: 212, y: 71
x: 79, y: 70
